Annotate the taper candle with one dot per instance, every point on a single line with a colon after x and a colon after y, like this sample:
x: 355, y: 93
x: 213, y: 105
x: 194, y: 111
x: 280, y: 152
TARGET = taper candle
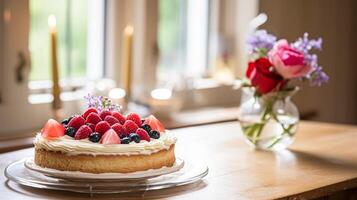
x: 56, y: 104
x: 127, y: 59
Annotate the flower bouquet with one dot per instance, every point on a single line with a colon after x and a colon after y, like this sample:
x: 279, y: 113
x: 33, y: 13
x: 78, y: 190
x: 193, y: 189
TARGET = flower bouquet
x: 268, y: 117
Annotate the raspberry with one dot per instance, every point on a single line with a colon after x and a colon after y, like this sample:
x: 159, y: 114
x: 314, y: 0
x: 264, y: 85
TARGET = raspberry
x: 135, y: 118
x: 93, y: 118
x: 83, y: 132
x: 91, y: 126
x: 88, y: 111
x: 110, y: 137
x: 119, y: 129
x: 130, y: 126
x: 76, y: 122
x: 111, y: 120
x: 119, y: 117
x: 104, y: 113
x: 143, y: 134
x: 102, y: 127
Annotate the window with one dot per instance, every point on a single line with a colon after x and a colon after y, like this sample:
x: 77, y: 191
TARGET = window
x: 171, y: 35
x: 182, y: 38
x: 78, y: 40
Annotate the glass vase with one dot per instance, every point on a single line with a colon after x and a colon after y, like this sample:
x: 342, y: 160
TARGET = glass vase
x: 268, y: 122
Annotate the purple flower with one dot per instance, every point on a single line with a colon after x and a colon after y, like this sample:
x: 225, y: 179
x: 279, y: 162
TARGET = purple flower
x: 260, y: 40
x: 304, y: 45
x: 101, y: 103
x: 317, y: 77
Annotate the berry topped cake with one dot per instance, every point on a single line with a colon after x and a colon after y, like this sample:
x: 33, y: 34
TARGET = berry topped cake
x: 103, y: 140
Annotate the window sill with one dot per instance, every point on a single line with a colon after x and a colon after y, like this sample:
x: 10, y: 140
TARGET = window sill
x: 208, y: 89
x: 45, y: 98
x: 72, y: 89
x: 207, y: 92
x: 44, y: 86
x: 210, y: 83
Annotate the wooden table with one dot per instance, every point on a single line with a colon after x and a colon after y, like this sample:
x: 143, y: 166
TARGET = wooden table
x: 322, y: 161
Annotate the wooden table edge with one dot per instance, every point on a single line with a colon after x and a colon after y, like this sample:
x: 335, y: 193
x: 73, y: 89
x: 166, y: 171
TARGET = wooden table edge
x: 323, y: 191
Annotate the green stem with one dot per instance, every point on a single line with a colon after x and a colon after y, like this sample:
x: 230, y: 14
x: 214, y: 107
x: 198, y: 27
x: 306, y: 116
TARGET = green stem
x: 264, y: 118
x: 280, y: 137
x: 276, y: 141
x: 258, y: 132
x: 251, y: 131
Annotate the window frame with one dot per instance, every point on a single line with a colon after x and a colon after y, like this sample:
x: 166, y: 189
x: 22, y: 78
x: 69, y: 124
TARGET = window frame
x: 227, y: 17
x: 141, y: 14
x: 94, y: 60
x: 17, y: 114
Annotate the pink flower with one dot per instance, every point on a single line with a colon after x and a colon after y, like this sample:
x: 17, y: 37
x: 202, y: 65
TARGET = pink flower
x: 288, y: 62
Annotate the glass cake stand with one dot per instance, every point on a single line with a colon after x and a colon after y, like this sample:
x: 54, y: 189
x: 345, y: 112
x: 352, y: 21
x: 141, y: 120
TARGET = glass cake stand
x: 189, y: 173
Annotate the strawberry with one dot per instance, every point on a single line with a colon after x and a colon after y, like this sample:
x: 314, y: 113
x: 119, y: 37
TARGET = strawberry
x: 143, y: 134
x: 91, y: 126
x: 119, y: 129
x: 154, y: 123
x: 76, y: 122
x: 135, y: 118
x: 110, y: 137
x: 119, y: 117
x: 93, y: 118
x: 104, y: 113
x: 130, y: 126
x: 102, y: 127
x: 83, y: 132
x: 88, y: 111
x: 111, y: 120
x: 52, y: 129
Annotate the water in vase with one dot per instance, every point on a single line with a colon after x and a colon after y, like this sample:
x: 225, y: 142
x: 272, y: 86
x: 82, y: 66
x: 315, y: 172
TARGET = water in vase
x: 276, y: 134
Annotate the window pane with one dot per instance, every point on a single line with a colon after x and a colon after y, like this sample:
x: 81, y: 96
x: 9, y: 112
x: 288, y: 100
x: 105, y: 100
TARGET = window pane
x: 171, y: 34
x: 182, y: 38
x: 72, y: 23
x: 78, y: 38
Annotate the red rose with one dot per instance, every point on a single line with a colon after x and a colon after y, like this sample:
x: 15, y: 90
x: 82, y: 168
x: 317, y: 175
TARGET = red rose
x: 262, y: 77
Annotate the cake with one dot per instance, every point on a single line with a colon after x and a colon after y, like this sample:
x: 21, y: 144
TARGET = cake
x: 103, y: 140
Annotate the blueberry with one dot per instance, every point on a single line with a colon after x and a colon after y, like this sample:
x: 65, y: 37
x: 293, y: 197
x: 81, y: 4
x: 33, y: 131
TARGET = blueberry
x: 154, y: 134
x: 70, y: 131
x: 146, y: 127
x: 125, y: 140
x: 122, y: 136
x: 94, y: 137
x: 65, y: 121
x: 134, y: 137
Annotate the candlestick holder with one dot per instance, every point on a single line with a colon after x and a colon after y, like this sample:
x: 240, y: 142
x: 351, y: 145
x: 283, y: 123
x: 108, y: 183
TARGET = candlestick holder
x: 56, y: 89
x: 127, y: 50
